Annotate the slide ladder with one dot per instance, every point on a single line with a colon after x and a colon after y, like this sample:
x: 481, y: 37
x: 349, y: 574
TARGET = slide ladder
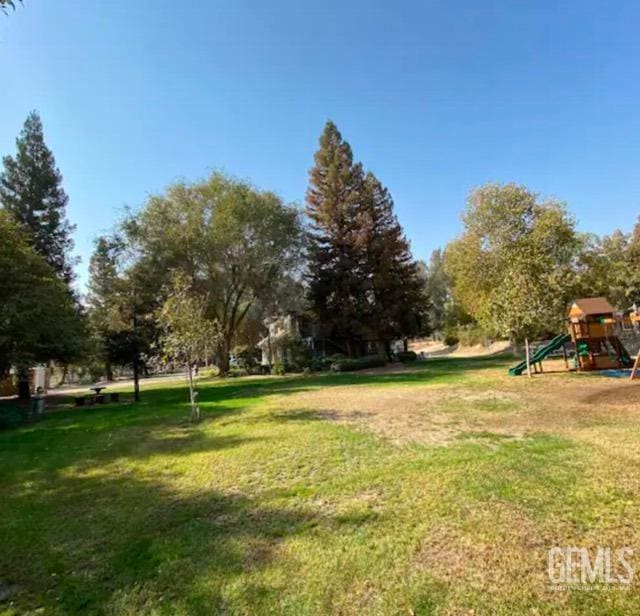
x: 541, y: 353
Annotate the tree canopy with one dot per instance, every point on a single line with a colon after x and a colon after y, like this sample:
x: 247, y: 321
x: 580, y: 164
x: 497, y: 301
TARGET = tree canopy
x: 512, y: 267
x: 38, y: 314
x: 236, y: 245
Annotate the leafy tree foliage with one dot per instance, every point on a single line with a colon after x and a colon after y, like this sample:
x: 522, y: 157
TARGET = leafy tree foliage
x: 610, y: 266
x: 31, y: 190
x: 122, y: 305
x: 39, y: 318
x: 438, y: 290
x: 512, y: 268
x: 236, y: 245
x: 187, y: 333
x: 103, y: 301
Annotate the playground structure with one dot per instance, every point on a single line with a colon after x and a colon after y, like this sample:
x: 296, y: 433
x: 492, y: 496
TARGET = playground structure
x: 593, y: 327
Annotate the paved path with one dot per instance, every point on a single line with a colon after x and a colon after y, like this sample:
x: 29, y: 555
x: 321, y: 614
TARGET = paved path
x: 85, y: 389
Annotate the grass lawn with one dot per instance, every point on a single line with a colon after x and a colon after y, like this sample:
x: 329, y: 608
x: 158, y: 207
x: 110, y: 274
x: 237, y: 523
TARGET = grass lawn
x: 434, y: 489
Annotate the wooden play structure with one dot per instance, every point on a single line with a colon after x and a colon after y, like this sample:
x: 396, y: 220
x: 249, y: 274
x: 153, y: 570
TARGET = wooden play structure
x: 593, y: 327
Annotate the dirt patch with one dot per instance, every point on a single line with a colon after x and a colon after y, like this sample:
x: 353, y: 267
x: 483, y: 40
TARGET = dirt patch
x: 490, y: 549
x: 440, y: 349
x: 513, y: 407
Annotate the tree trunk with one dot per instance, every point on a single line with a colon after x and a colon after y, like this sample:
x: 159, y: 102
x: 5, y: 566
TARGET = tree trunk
x: 528, y: 356
x: 193, y: 394
x: 223, y: 357
x: 24, y: 391
x: 136, y: 379
x: 108, y: 370
x: 65, y: 372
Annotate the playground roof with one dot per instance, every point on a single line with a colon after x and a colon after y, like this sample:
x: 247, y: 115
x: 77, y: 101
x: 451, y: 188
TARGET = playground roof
x: 593, y: 305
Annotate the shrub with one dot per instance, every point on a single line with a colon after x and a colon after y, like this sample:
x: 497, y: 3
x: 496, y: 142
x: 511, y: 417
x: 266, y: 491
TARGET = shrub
x: 471, y: 335
x: 297, y: 354
x: 235, y: 372
x: 360, y: 363
x: 325, y: 363
x: 247, y: 357
x: 406, y: 356
x: 278, y: 369
x: 451, y: 339
x: 210, y: 372
x: 10, y: 417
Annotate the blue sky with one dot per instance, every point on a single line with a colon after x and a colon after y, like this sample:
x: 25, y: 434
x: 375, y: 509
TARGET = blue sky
x: 434, y: 97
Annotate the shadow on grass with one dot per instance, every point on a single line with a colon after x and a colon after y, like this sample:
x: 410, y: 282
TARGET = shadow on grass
x: 114, y: 536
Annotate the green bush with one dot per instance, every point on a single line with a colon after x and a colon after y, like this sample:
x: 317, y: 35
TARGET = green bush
x: 406, y: 356
x: 208, y: 373
x: 472, y: 335
x: 247, y: 357
x: 451, y: 339
x: 10, y: 417
x: 360, y: 363
x: 296, y: 353
x: 279, y: 369
x: 324, y: 363
x: 235, y: 372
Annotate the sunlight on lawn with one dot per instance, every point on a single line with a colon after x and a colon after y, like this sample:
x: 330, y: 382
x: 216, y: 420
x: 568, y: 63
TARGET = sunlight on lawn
x: 271, y: 504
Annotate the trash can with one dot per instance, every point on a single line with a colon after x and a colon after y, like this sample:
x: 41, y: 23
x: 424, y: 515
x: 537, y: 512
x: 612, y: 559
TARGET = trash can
x: 36, y: 405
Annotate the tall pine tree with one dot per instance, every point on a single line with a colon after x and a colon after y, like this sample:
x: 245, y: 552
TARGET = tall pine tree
x: 102, y: 296
x: 335, y: 288
x: 396, y: 300
x: 363, y: 281
x: 31, y: 191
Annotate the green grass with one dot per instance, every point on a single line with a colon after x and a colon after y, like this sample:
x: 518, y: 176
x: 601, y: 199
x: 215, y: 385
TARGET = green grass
x: 262, y: 508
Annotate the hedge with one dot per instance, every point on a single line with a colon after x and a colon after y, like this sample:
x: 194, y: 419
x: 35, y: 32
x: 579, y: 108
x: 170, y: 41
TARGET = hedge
x: 360, y: 363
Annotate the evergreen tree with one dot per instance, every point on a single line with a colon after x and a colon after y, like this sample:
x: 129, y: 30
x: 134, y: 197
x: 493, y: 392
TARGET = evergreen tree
x: 395, y: 294
x: 31, y: 191
x: 102, y: 297
x: 336, y: 289
x: 438, y: 288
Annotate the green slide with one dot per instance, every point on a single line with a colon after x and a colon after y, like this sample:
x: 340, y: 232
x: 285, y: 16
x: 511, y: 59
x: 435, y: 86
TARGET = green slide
x: 541, y: 353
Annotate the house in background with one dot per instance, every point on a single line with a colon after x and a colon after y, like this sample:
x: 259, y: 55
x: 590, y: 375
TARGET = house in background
x: 292, y: 326
x: 39, y: 377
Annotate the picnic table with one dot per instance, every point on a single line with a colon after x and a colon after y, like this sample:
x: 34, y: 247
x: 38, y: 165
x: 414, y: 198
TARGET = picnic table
x: 98, y: 397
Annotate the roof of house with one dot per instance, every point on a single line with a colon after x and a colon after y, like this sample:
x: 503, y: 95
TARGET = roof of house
x: 593, y: 305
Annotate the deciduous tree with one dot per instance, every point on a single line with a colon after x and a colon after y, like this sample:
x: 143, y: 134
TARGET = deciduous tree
x: 234, y: 243
x: 512, y: 268
x: 187, y: 333
x: 39, y: 318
